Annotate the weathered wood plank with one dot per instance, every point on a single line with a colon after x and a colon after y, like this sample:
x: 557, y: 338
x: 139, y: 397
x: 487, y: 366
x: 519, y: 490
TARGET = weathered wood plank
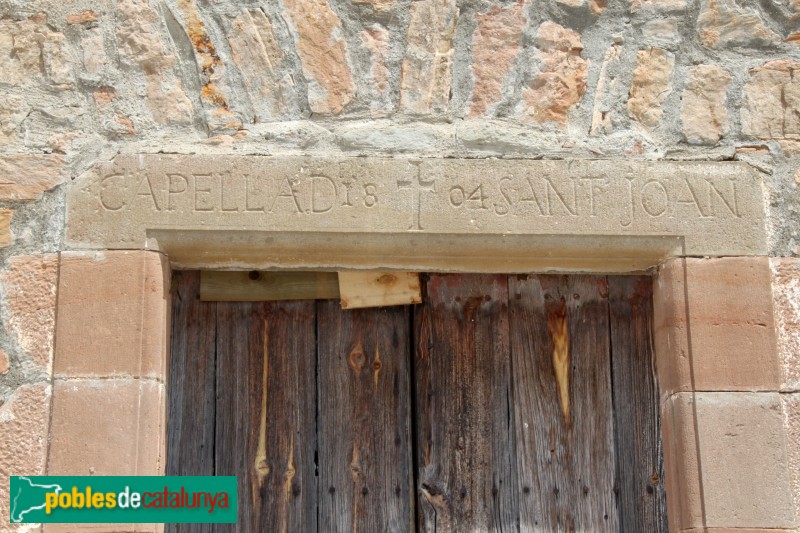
x: 365, y: 461
x: 562, y: 403
x: 266, y: 413
x: 376, y: 289
x: 640, y: 468
x: 191, y: 388
x: 257, y: 286
x: 466, y: 480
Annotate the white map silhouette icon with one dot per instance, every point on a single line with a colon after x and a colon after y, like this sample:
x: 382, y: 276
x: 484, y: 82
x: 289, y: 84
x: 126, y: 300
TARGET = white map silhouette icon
x: 19, y: 515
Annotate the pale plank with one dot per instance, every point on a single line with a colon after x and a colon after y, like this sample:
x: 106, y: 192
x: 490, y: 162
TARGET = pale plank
x: 377, y: 289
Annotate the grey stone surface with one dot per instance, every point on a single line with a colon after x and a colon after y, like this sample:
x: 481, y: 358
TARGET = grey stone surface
x: 305, y: 212
x: 732, y: 466
x: 742, y: 448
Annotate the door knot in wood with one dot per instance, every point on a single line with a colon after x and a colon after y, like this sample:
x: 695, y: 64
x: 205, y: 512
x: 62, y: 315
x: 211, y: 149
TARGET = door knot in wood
x: 559, y: 333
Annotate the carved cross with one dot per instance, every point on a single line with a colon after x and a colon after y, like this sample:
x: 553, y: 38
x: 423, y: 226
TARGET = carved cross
x: 419, y: 186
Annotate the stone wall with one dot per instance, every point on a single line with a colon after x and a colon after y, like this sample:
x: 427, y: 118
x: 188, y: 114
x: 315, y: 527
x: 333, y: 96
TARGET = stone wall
x: 82, y: 81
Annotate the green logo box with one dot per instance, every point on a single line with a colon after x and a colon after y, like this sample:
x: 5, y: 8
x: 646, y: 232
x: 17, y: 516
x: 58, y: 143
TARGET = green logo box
x: 123, y: 499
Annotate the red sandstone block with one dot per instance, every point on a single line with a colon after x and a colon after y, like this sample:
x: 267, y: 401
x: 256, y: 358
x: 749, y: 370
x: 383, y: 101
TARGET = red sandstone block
x: 714, y: 327
x: 107, y: 427
x: 113, y: 315
x: 726, y: 464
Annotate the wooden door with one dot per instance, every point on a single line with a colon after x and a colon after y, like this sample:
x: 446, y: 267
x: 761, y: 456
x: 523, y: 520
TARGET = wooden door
x: 502, y: 403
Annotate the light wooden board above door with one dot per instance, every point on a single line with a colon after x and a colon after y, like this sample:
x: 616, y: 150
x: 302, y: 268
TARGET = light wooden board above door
x: 354, y: 289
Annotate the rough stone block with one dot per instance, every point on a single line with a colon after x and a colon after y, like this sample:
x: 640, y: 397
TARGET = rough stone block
x: 606, y: 93
x: 561, y: 82
x: 130, y: 414
x: 662, y: 31
x: 215, y: 93
x: 379, y: 5
x: 84, y: 17
x: 140, y: 43
x: 24, y: 420
x: 495, y: 45
x: 713, y: 325
x: 323, y: 54
x: 113, y: 315
x: 771, y: 101
x: 723, y: 23
x: 5, y: 227
x: 94, y: 54
x: 259, y: 57
x: 426, y: 71
x: 22, y: 49
x: 377, y: 39
x: 786, y: 294
x: 32, y: 49
x: 651, y: 85
x: 791, y: 417
x: 13, y: 111
x: 25, y: 177
x: 28, y: 289
x: 660, y: 5
x: 704, y: 113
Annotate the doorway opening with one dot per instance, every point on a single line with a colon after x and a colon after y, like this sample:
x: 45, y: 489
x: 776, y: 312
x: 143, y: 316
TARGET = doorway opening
x: 502, y: 402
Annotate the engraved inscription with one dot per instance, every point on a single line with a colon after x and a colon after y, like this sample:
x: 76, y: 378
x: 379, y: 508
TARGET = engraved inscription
x: 541, y: 196
x: 655, y: 198
x: 152, y: 200
x: 417, y: 186
x: 370, y: 196
x: 516, y: 195
x: 147, y: 200
x: 225, y: 192
x: 109, y: 200
x: 177, y: 185
x: 475, y: 198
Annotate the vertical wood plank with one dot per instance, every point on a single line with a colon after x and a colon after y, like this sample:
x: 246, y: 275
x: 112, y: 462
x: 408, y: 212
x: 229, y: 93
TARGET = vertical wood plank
x: 565, y: 442
x: 640, y: 468
x: 190, y: 391
x: 466, y: 481
x: 365, y: 464
x: 266, y: 400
